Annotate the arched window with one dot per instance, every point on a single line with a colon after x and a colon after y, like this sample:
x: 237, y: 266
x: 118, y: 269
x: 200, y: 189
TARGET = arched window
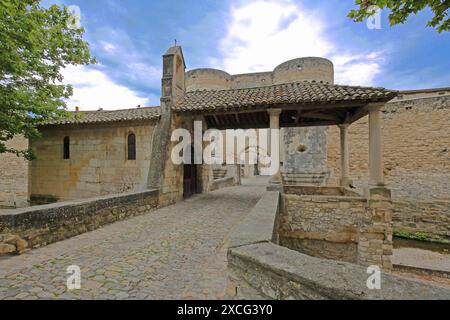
x: 131, y: 146
x: 66, y: 147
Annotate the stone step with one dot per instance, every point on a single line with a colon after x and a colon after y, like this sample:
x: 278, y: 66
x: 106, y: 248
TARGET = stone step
x: 219, y: 173
x: 314, y: 178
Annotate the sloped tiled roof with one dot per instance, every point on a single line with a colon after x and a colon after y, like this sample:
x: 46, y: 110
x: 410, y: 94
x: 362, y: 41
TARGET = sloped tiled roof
x: 103, y: 116
x: 281, y: 94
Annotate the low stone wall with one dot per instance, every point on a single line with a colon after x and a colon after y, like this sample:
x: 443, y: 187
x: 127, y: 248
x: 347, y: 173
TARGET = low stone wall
x: 46, y: 224
x: 269, y: 271
x: 258, y: 268
x: 429, y: 217
x: 322, y: 226
x: 335, y: 223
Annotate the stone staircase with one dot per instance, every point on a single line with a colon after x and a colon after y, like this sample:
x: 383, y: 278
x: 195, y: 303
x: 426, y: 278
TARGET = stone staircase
x: 306, y: 178
x: 219, y: 173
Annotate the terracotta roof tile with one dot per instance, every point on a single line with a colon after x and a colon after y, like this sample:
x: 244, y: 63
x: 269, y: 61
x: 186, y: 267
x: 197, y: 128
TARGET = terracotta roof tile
x: 290, y: 93
x: 103, y: 116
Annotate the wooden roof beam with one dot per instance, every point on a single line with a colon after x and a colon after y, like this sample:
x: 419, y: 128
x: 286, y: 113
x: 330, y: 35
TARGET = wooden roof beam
x: 321, y: 116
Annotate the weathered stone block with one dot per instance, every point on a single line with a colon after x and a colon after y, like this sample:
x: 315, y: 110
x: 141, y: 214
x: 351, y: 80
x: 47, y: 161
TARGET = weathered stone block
x: 7, y: 248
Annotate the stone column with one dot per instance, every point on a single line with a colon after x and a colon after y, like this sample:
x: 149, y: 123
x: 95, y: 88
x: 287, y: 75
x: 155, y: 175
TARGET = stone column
x: 376, y: 178
x: 345, y: 159
x: 275, y: 127
x: 376, y: 230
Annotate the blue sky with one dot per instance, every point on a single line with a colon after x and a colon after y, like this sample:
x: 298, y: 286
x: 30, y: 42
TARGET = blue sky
x: 128, y: 38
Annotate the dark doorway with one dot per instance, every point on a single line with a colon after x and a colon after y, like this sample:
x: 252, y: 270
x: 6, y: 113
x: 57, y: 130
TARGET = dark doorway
x: 190, y: 177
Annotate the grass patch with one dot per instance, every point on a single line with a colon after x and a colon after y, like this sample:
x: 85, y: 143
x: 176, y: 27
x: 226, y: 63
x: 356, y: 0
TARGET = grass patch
x: 418, y: 236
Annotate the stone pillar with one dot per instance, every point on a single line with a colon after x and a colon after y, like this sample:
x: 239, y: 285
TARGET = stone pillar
x: 376, y: 231
x: 375, y: 243
x: 345, y: 159
x: 376, y: 177
x: 275, y: 129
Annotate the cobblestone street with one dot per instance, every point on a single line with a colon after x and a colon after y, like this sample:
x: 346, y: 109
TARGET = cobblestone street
x: 177, y: 252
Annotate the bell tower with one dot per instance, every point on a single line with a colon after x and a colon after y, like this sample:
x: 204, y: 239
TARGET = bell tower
x: 172, y: 89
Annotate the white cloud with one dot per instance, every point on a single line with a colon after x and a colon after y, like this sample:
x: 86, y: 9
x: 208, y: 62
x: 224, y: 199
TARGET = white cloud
x: 261, y: 34
x: 108, y: 47
x: 93, y: 89
x: 357, y: 69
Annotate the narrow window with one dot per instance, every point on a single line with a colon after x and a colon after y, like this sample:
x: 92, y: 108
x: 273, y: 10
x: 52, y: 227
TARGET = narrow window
x: 131, y: 146
x: 66, y: 148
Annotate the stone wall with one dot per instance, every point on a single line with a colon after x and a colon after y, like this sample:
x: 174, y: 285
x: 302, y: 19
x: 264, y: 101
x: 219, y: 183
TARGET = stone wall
x: 267, y: 271
x: 98, y: 162
x: 14, y: 176
x: 429, y: 217
x: 416, y: 137
x: 42, y: 225
x: 322, y: 227
x: 258, y: 268
x: 339, y: 227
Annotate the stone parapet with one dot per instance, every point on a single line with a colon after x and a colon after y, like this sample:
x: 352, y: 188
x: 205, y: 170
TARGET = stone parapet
x: 269, y: 271
x: 42, y: 225
x: 336, y: 223
x: 261, y: 225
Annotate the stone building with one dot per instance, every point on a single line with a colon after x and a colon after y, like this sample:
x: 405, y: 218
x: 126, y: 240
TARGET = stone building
x: 328, y: 147
x: 102, y: 153
x: 14, y: 176
x: 98, y: 143
x: 415, y: 135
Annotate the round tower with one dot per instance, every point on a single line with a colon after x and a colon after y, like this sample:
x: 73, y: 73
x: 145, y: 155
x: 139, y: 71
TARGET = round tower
x: 207, y: 79
x: 311, y: 69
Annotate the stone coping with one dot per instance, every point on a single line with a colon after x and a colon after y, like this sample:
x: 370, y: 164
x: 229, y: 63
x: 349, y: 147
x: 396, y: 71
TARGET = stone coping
x: 337, y: 191
x: 111, y: 199
x: 281, y: 273
x: 325, y: 198
x: 261, y: 224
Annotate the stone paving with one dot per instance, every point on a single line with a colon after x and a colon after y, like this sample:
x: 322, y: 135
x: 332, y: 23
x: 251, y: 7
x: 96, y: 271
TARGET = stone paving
x: 177, y: 252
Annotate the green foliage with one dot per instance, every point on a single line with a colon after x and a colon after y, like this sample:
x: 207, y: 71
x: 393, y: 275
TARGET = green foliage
x: 400, y: 10
x: 419, y: 236
x: 36, y: 42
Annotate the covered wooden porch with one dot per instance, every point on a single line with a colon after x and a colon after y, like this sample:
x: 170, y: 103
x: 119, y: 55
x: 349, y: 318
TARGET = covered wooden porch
x: 297, y: 105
